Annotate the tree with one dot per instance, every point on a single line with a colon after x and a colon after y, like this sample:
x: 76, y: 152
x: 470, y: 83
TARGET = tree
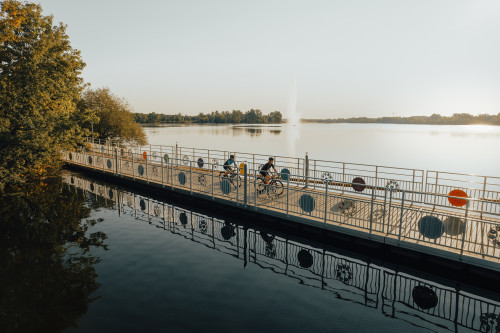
x: 116, y: 121
x: 40, y: 86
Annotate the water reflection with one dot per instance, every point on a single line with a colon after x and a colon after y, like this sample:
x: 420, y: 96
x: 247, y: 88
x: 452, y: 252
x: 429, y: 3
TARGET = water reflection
x: 422, y: 303
x: 47, y: 272
x: 256, y: 130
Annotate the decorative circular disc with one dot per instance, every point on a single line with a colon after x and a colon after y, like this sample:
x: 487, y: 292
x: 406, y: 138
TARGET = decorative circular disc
x: 183, y: 218
x: 215, y: 162
x: 89, y: 147
x: 109, y: 164
x: 306, y: 202
x: 92, y: 187
x: 70, y: 156
x: 110, y: 193
x: 358, y: 184
x: 144, y: 155
x: 327, y: 177
x: 140, y: 169
x: 202, y: 225
x: 227, y: 231
x: 185, y: 160
x: 343, y: 273
x: 431, y: 227
x: 122, y: 152
x: 285, y: 173
x: 225, y: 186
x: 202, y: 180
x: 90, y: 159
x: 392, y: 185
x: 490, y: 322
x: 305, y: 258
x: 242, y: 168
x: 72, y: 180
x: 200, y: 163
x: 157, y: 210
x: 182, y: 178
x: 424, y: 297
x: 455, y: 201
x: 347, y: 207
x: 102, y: 149
x: 142, y: 204
x: 454, y: 226
x: 494, y: 235
x: 165, y: 158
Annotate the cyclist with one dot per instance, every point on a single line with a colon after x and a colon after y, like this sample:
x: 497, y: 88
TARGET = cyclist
x: 227, y: 165
x: 264, y: 171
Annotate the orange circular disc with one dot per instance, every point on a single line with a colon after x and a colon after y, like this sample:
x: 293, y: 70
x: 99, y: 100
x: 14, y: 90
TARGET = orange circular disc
x: 144, y: 155
x: 455, y: 201
x: 242, y: 168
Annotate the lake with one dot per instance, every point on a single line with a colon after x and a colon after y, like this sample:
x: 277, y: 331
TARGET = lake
x: 471, y: 149
x: 86, y: 255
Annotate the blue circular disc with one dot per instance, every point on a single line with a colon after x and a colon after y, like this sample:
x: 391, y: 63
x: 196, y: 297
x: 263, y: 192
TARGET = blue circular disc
x: 140, y: 168
x: 200, y: 162
x: 225, y: 186
x: 70, y: 156
x: 110, y: 193
x: 431, y: 227
x: 102, y: 149
x: 165, y: 158
x: 307, y: 203
x: 285, y: 174
x: 142, y: 203
x: 109, y: 164
x: 305, y: 258
x: 90, y: 159
x: 182, y: 178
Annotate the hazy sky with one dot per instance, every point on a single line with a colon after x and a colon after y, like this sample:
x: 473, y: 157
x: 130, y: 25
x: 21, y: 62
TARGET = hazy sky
x: 350, y: 58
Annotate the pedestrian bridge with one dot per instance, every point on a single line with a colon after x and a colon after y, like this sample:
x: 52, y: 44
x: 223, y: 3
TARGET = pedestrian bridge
x: 452, y: 215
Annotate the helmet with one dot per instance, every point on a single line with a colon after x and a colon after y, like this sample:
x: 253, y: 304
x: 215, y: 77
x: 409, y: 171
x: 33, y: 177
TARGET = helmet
x: 232, y: 156
x: 271, y: 158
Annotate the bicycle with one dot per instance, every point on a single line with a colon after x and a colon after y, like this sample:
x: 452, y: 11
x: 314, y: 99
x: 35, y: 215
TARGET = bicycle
x: 233, y: 177
x: 273, y: 188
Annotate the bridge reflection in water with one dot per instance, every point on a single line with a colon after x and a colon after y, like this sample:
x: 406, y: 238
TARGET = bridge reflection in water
x: 422, y: 303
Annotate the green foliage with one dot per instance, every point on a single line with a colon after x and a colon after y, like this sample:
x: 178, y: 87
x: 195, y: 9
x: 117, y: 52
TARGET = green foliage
x: 40, y: 86
x: 116, y: 121
x: 47, y: 270
x: 435, y: 119
x: 252, y: 116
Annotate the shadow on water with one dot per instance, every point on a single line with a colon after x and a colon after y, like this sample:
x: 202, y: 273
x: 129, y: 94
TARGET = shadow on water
x: 417, y: 299
x: 47, y: 271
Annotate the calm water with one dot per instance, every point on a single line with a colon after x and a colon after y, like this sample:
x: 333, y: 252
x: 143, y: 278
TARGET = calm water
x: 81, y: 255
x: 463, y: 149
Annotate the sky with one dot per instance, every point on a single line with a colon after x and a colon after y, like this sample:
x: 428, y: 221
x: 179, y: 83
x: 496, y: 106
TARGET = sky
x: 350, y: 58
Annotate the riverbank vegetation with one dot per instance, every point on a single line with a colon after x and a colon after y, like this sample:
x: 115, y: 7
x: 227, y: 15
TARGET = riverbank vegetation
x: 435, y: 119
x: 43, y: 104
x: 253, y: 116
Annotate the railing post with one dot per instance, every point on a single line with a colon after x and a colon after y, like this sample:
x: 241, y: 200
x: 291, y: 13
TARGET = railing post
x: 343, y: 177
x: 133, y: 171
x: 116, y: 161
x: 245, y: 184
x: 238, y: 186
x: 326, y: 198
x: 212, y: 181
x: 401, y: 218
x: 483, y: 198
x: 255, y: 187
x: 371, y: 208
x: 172, y: 175
x: 465, y: 229
x: 191, y: 177
x: 161, y: 163
x: 147, y: 174
x: 287, y: 194
x: 306, y: 170
x: 102, y: 153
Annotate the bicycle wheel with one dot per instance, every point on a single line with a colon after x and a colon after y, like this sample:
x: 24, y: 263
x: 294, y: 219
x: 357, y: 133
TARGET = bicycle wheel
x: 237, y: 180
x: 261, y: 186
x: 277, y: 187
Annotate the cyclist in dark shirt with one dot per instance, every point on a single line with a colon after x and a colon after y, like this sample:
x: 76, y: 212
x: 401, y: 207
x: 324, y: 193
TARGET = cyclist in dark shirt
x: 264, y: 171
x: 227, y: 165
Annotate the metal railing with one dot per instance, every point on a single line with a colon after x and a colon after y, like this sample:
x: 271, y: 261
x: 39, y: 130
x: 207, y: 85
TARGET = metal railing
x: 419, y: 302
x: 403, y: 217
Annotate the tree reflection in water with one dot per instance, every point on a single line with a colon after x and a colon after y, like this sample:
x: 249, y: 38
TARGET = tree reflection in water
x: 47, y: 273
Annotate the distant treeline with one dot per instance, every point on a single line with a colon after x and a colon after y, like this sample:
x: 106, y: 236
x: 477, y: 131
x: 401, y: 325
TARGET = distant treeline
x: 435, y: 119
x: 234, y: 117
